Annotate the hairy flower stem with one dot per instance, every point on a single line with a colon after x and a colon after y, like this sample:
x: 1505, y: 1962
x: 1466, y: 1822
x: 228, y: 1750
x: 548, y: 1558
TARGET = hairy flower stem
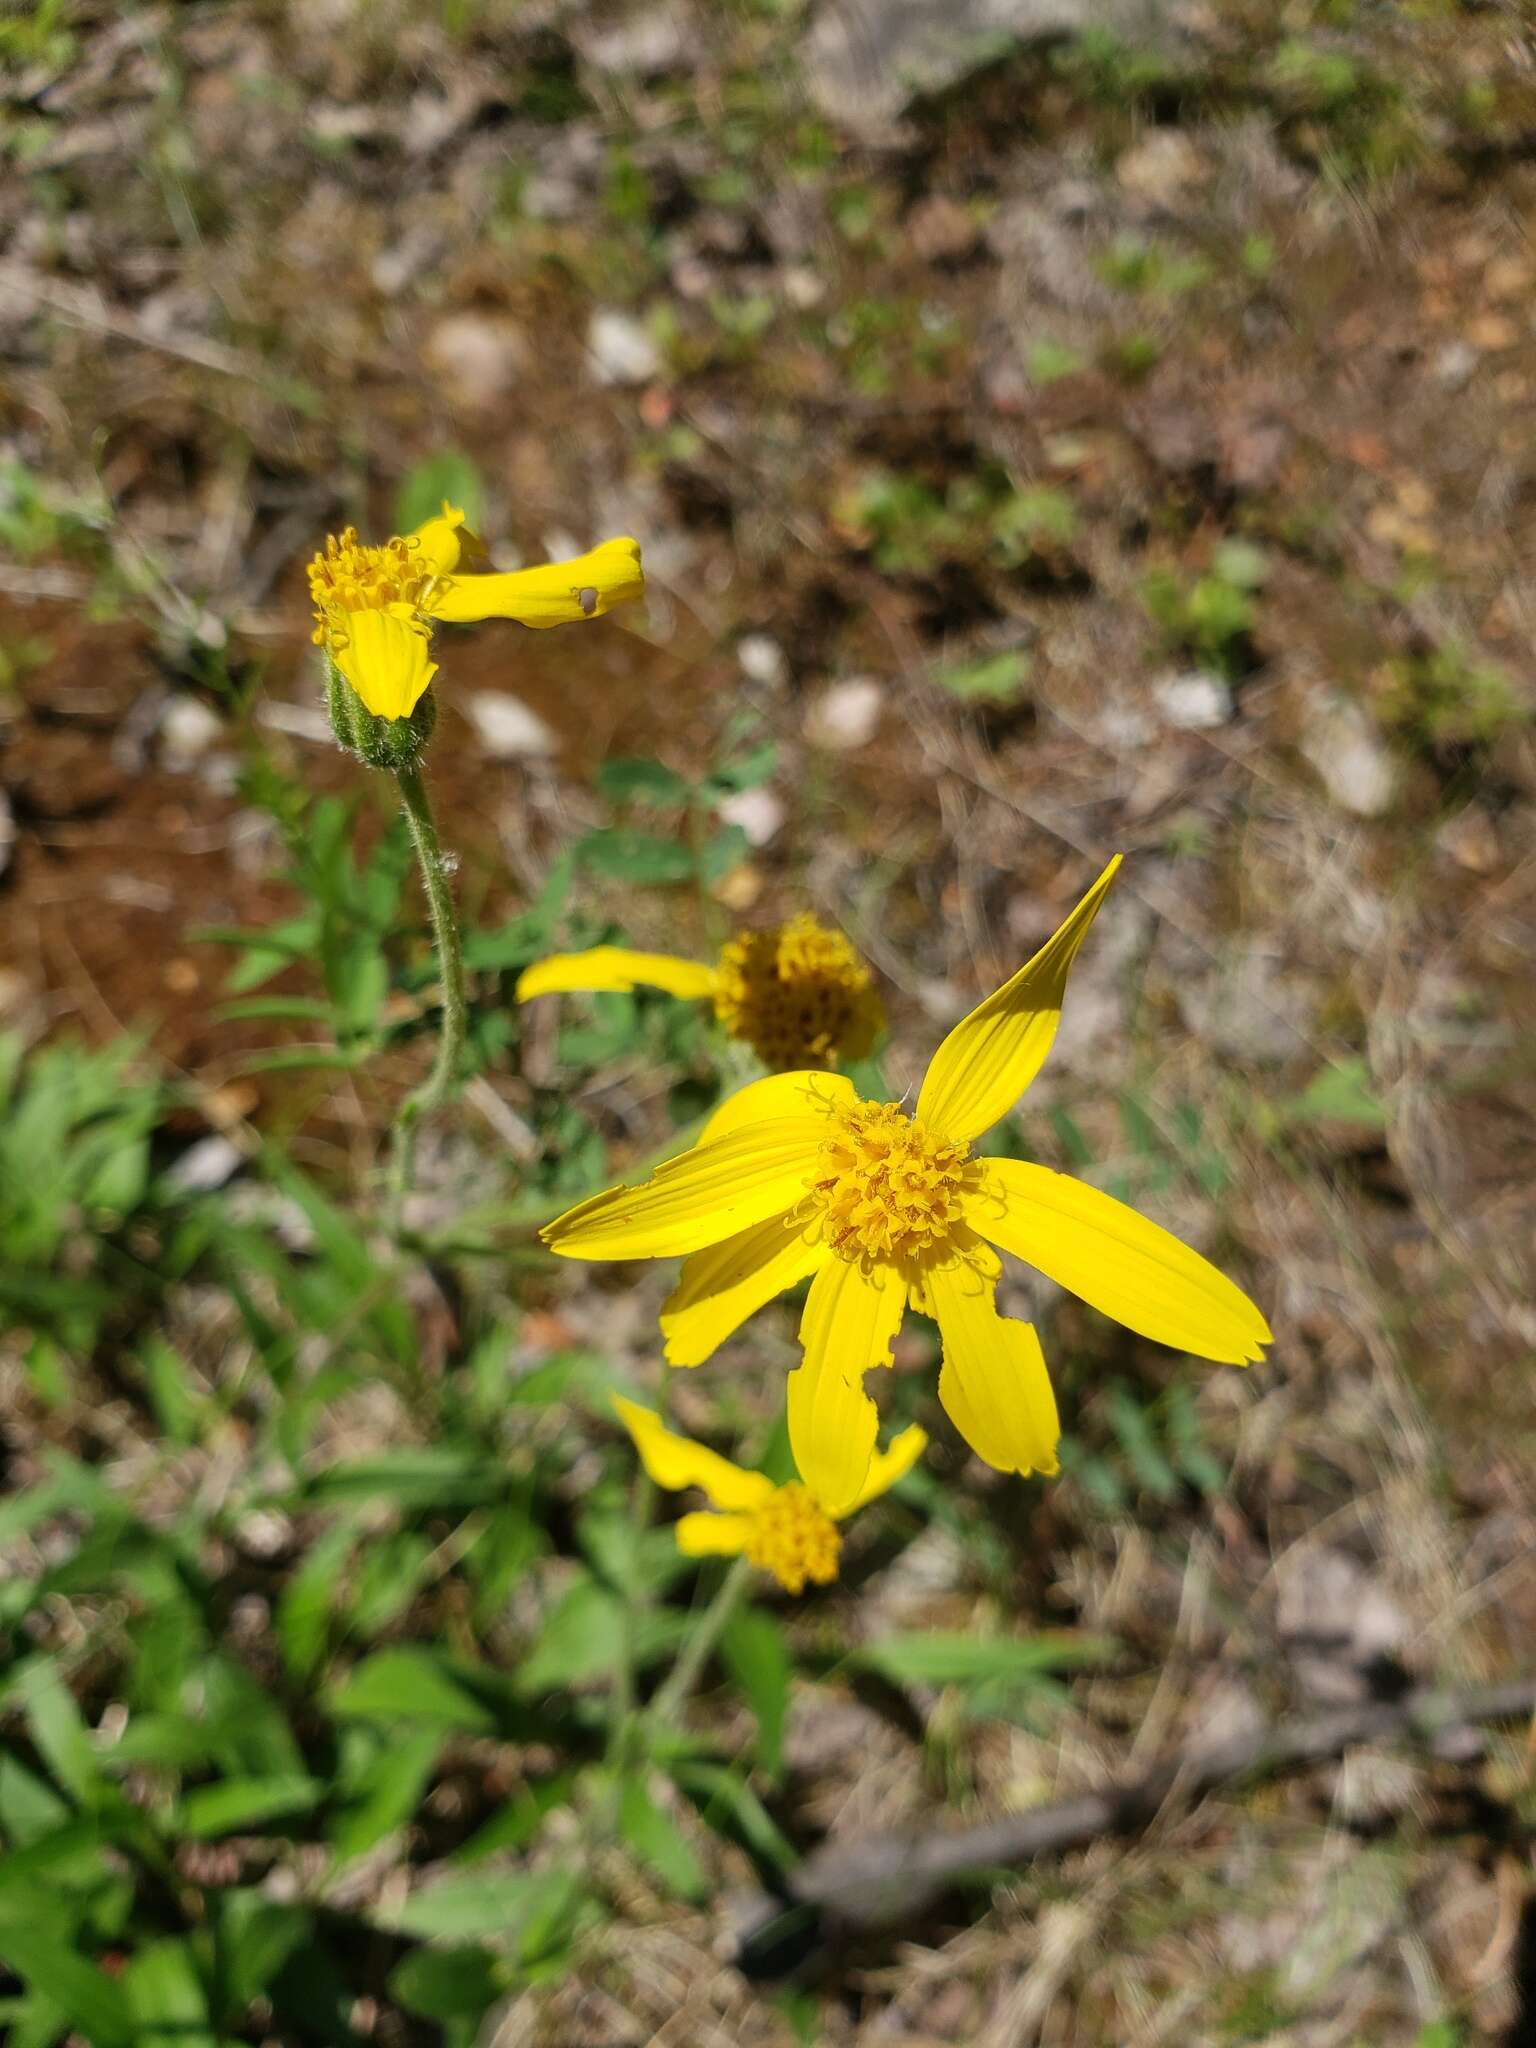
x: 443, y: 1079
x: 672, y: 1697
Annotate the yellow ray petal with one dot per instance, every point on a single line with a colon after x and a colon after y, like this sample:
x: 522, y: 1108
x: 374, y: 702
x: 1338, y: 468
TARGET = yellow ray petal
x: 675, y: 1461
x: 1116, y: 1261
x: 616, y: 970
x: 438, y: 542
x: 991, y: 1056
x: 724, y: 1284
x: 702, y: 1196
x: 806, y: 1092
x: 993, y: 1383
x: 851, y: 1314
x: 889, y: 1465
x: 387, y: 659
x: 712, y: 1535
x: 554, y: 594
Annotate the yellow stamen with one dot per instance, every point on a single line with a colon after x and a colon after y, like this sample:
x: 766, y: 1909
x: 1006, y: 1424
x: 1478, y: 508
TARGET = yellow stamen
x: 886, y: 1185
x: 794, y: 1539
x: 349, y: 575
x: 799, y: 995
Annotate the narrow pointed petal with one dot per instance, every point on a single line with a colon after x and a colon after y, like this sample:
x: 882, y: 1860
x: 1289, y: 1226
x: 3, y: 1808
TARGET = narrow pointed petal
x: 991, y: 1056
x: 808, y: 1092
x: 993, y: 1382
x: 1115, y: 1260
x: 387, y: 659
x: 704, y: 1195
x: 851, y: 1315
x: 554, y: 594
x: 722, y: 1285
x: 675, y: 1461
x: 614, y: 970
x: 439, y: 542
x: 889, y: 1465
x: 712, y: 1535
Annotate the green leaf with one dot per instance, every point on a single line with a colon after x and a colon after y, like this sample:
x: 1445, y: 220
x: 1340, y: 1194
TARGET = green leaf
x: 468, y: 1906
x: 1342, y: 1093
x: 990, y: 679
x: 239, y: 1803
x: 582, y: 1636
x: 757, y: 1657
x: 168, y: 1998
x: 446, y: 475
x: 435, y: 1477
x: 302, y: 1620
x: 256, y: 1936
x: 91, y: 2001
x: 658, y: 1841
x: 387, y: 1793
x: 636, y: 857
x: 410, y: 1685
x: 642, y: 782
x: 448, y: 1983
x: 953, y: 1659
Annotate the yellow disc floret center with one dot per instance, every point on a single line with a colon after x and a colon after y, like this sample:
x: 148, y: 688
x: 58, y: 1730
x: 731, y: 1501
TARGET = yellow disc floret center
x: 349, y: 575
x: 799, y: 995
x: 886, y: 1185
x: 795, y: 1539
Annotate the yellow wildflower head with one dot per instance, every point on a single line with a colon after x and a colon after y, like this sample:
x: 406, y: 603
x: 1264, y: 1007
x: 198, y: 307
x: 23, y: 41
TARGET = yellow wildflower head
x: 798, y: 994
x: 796, y: 1178
x: 784, y: 1530
x: 375, y: 604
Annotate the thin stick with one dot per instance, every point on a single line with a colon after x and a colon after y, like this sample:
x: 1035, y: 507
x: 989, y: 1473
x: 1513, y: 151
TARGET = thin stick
x: 886, y: 1878
x: 440, y: 1083
x: 684, y: 1675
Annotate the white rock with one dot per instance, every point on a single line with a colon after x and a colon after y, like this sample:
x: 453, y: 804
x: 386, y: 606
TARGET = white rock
x: 1344, y: 747
x: 205, y: 1166
x: 758, y: 812
x: 621, y: 350
x: 508, y: 729
x: 188, y: 728
x: 762, y: 660
x: 480, y: 356
x: 1194, y: 701
x: 846, y: 715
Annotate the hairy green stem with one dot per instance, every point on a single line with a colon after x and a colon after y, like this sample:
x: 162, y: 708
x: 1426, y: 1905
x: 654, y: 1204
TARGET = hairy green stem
x: 700, y: 1646
x: 441, y: 1082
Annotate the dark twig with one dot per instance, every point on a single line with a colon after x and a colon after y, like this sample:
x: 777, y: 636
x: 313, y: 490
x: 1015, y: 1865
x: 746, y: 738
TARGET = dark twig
x: 888, y: 1878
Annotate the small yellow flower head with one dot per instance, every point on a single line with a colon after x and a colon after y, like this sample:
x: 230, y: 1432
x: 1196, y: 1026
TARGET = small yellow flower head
x: 799, y: 995
x: 785, y: 1530
x: 376, y: 605
x: 795, y: 1539
x: 887, y: 1185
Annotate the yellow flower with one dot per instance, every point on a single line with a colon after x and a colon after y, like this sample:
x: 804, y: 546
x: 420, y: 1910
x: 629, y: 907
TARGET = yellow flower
x: 794, y: 1178
x: 785, y: 1530
x: 375, y: 606
x: 798, y: 994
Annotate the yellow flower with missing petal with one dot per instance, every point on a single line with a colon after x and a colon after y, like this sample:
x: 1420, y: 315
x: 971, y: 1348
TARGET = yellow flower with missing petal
x: 798, y: 994
x: 375, y: 605
x: 796, y: 1178
x: 785, y: 1530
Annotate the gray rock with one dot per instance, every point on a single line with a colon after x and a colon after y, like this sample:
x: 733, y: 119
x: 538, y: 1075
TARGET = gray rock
x: 188, y: 728
x: 620, y: 349
x: 479, y: 357
x: 1342, y: 744
x: 1194, y: 701
x: 866, y: 60
x: 758, y: 812
x: 508, y: 729
x: 846, y: 715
